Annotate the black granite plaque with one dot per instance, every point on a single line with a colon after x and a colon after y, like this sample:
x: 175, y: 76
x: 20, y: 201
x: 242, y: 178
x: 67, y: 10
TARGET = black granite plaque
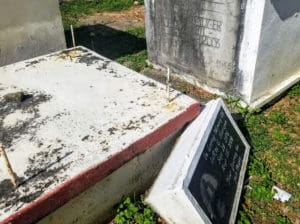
x: 215, y: 179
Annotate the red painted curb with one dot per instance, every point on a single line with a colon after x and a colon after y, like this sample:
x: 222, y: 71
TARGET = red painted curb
x: 43, y: 206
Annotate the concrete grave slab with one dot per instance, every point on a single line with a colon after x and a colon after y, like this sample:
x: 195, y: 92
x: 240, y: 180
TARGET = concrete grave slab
x: 28, y: 29
x: 71, y: 118
x: 202, y: 180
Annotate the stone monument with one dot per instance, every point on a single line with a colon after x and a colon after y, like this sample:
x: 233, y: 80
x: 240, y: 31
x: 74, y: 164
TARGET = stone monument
x: 241, y: 48
x: 28, y: 29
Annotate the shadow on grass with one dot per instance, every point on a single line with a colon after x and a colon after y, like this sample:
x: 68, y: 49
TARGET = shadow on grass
x: 106, y: 41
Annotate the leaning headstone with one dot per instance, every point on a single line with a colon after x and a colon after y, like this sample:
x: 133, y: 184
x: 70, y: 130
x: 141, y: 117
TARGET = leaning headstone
x: 203, y: 178
x: 28, y: 29
x: 247, y: 49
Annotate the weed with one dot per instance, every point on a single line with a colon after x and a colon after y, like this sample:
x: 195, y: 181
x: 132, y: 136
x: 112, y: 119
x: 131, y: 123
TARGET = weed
x: 141, y: 2
x: 139, y: 32
x: 261, y: 180
x: 134, y: 212
x: 135, y: 61
x: 243, y: 218
x: 259, y: 134
x: 297, y: 108
x: 235, y: 104
x: 281, y: 137
x: 295, y: 91
x: 278, y: 117
x: 282, y: 220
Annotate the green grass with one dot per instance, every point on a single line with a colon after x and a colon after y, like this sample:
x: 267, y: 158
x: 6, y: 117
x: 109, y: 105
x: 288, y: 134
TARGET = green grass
x: 135, y: 61
x: 132, y: 211
x: 278, y: 117
x: 139, y: 32
x: 275, y: 159
x: 72, y: 10
x: 295, y: 91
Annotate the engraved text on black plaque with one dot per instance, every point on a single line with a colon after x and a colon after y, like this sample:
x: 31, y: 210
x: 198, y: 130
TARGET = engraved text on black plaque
x: 214, y: 182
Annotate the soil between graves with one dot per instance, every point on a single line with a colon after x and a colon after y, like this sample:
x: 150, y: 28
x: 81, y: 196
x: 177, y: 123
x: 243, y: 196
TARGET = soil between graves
x: 123, y: 20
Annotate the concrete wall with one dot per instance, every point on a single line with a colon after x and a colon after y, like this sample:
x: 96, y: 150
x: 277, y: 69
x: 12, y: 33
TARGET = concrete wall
x: 29, y: 28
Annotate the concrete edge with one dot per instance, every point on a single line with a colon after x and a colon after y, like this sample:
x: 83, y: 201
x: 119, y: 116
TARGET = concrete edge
x: 249, y: 45
x: 73, y: 187
x: 275, y: 92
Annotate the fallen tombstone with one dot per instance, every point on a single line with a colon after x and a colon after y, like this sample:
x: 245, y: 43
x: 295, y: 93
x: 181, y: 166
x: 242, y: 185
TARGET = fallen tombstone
x: 202, y: 179
x: 80, y: 132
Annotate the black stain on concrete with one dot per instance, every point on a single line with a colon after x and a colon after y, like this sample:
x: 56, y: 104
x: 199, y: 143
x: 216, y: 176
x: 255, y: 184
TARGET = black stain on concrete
x: 148, y: 83
x: 26, y: 103
x: 85, y: 138
x: 286, y: 8
x: 83, y: 56
x: 30, y: 190
x: 34, y: 62
x: 112, y: 130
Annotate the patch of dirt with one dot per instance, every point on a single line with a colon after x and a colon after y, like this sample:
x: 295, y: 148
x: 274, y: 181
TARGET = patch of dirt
x: 134, y: 17
x: 180, y: 85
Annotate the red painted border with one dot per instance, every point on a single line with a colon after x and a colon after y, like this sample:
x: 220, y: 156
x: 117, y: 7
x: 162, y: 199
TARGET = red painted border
x: 73, y: 187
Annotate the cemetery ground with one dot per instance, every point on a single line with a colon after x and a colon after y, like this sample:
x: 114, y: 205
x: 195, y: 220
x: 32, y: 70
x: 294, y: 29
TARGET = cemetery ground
x: 115, y: 29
